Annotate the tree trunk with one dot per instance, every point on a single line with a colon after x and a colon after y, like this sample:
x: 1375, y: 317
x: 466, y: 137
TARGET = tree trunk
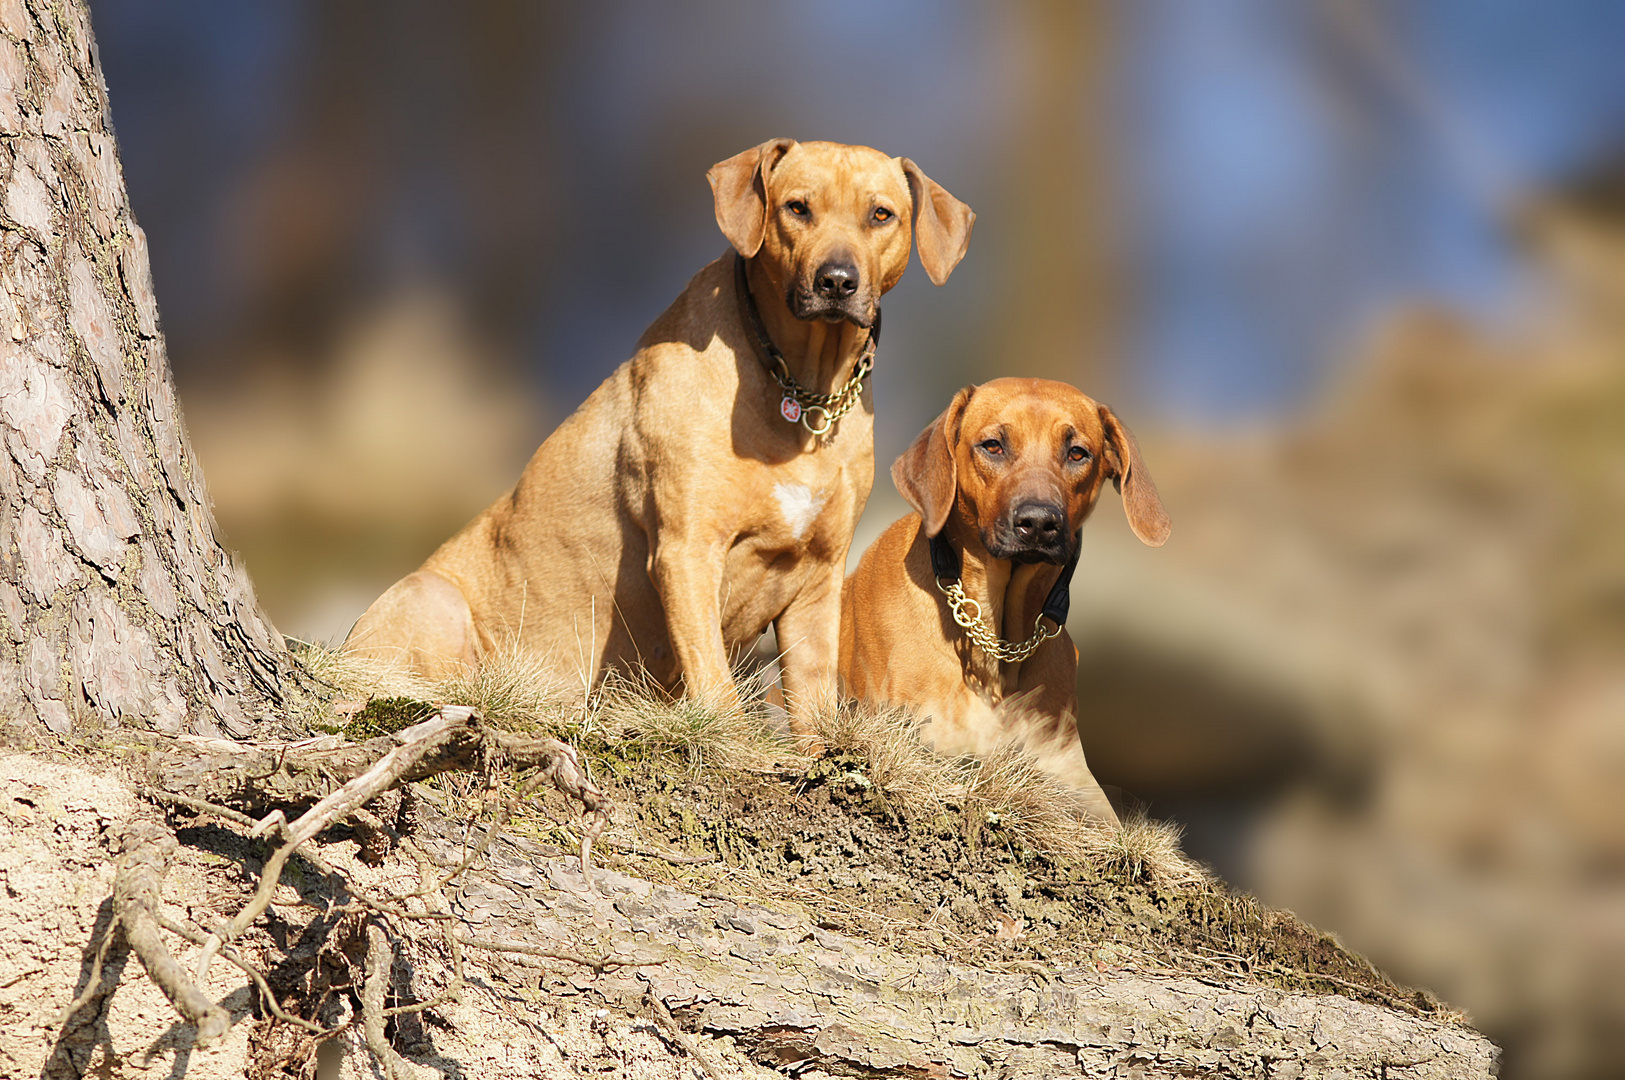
x: 117, y: 603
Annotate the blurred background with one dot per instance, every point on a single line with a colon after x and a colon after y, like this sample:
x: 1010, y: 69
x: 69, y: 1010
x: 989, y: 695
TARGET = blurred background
x: 1354, y: 272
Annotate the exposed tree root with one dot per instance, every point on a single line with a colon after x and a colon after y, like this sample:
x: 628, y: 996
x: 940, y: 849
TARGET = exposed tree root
x: 332, y: 781
x: 667, y: 1024
x: 597, y: 964
x: 380, y: 958
x: 147, y: 847
x: 658, y: 965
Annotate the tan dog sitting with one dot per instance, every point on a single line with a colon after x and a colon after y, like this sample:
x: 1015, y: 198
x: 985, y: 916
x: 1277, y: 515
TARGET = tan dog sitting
x: 960, y: 609
x: 709, y: 486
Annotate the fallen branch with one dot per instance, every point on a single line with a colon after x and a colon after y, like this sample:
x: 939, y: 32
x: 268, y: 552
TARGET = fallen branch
x: 454, y: 738
x: 322, y: 866
x: 259, y: 778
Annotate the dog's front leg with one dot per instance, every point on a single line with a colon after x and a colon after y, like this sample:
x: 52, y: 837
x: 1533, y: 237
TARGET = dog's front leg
x: 809, y: 635
x: 687, y: 573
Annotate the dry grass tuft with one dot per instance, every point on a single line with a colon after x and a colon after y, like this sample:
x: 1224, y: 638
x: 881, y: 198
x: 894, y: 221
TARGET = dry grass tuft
x: 1003, y: 792
x: 356, y: 677
x: 1146, y: 850
x: 896, y: 760
x: 1009, y: 789
x: 704, y: 734
x: 1007, y: 792
x: 1005, y: 788
x: 517, y: 690
x: 512, y: 688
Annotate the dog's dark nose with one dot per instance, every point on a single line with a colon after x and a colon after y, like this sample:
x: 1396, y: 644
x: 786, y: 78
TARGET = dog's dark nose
x: 1038, y: 523
x: 836, y: 280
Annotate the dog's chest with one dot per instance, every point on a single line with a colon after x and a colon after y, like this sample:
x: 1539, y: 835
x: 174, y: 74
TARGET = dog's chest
x: 802, y: 510
x: 804, y: 504
x: 799, y: 506
x: 798, y: 529
x: 797, y: 515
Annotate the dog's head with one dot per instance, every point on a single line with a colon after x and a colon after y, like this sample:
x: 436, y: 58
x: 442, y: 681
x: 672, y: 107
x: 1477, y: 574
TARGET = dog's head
x: 832, y: 223
x: 1023, y: 461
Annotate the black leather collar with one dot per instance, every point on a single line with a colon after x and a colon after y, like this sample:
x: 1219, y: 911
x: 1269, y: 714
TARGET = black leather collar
x: 946, y: 566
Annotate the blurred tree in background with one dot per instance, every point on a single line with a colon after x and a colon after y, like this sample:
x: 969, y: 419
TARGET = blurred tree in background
x: 1062, y: 316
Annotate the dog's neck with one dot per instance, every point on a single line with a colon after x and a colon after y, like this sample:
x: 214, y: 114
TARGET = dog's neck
x: 820, y: 355
x: 1011, y: 595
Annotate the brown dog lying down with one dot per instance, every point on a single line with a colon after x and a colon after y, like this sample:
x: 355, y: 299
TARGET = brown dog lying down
x: 1002, y: 482
x: 682, y: 508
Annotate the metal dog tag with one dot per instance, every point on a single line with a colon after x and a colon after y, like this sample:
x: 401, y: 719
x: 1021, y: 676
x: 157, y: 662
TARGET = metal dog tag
x: 790, y: 409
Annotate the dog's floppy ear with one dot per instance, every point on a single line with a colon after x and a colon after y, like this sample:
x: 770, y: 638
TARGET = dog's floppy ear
x: 925, y: 472
x: 942, y: 224
x: 1141, y: 502
x: 739, y: 186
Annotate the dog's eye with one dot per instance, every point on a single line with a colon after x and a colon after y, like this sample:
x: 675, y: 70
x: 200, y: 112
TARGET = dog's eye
x: 883, y: 214
x: 1078, y: 453
x: 797, y: 207
x: 992, y: 446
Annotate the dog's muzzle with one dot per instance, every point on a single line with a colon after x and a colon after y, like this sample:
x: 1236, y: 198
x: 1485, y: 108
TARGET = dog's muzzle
x: 1033, y: 531
x: 836, y: 293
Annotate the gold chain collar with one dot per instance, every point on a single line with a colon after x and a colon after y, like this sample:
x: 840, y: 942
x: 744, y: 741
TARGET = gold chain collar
x: 799, y: 403
x: 968, y: 614
x: 945, y: 567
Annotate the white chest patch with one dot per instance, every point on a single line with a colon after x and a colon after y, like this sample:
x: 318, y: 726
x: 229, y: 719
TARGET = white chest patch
x: 799, y: 506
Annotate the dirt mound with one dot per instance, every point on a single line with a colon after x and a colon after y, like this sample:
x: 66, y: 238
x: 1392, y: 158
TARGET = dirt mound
x: 830, y: 840
x: 743, y: 921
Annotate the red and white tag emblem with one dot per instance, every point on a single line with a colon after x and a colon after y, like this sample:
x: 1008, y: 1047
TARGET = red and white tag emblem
x: 790, y: 409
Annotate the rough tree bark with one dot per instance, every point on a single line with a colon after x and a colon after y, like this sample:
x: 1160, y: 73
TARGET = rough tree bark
x: 118, y: 604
